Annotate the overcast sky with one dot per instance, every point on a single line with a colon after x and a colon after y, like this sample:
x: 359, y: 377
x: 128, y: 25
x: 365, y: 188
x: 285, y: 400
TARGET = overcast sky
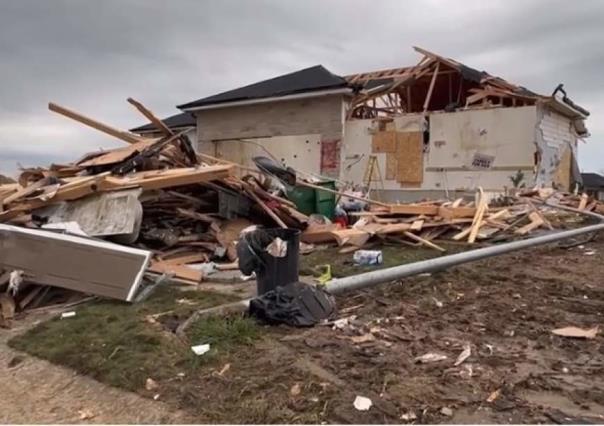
x: 92, y: 55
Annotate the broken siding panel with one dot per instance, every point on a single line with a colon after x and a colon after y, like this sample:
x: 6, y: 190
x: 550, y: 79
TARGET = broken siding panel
x: 555, y: 135
x: 76, y: 263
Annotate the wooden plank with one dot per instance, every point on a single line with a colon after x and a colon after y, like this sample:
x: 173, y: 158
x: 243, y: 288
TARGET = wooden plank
x: 116, y: 133
x: 431, y: 88
x: 583, y: 202
x: 118, y: 155
x: 187, y: 258
x: 413, y: 209
x: 393, y: 228
x: 158, y: 179
x: 536, y: 222
x: 318, y: 234
x: 159, y: 124
x: 179, y: 271
x: 456, y: 212
x: 264, y: 207
x: 351, y: 236
x: 417, y: 225
x: 410, y: 158
x: 423, y: 241
x: 483, y: 205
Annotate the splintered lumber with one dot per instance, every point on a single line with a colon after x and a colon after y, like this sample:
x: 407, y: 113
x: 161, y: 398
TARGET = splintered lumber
x: 423, y: 241
x: 158, y: 123
x: 158, y: 179
x: 116, y: 133
x: 393, y: 228
x: 583, y: 202
x: 536, y: 222
x: 264, y: 207
x: 416, y: 225
x: 318, y: 234
x: 118, y: 155
x: 429, y: 210
x: 483, y: 205
x: 456, y: 212
x: 354, y: 237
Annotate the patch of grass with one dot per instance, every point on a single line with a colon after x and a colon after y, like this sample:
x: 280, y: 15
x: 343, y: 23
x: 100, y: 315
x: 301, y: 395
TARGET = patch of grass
x: 121, y: 345
x: 342, y: 265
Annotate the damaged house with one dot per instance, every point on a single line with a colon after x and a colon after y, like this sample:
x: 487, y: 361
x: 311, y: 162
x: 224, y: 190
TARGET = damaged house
x: 434, y: 129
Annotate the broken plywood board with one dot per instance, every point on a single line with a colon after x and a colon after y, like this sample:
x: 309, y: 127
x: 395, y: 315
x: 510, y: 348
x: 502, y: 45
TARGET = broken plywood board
x: 384, y: 142
x: 391, y: 166
x: 410, y: 157
x: 76, y: 263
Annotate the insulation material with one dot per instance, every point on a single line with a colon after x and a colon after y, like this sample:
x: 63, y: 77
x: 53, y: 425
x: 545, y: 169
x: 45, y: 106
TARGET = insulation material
x: 555, y: 135
x: 384, y: 142
x: 410, y: 158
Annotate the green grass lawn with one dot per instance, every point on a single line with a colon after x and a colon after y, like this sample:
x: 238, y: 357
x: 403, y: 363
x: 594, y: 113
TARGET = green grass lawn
x: 123, y: 345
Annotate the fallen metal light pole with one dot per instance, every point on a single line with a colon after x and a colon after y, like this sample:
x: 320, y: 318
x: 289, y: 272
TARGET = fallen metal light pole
x: 367, y: 279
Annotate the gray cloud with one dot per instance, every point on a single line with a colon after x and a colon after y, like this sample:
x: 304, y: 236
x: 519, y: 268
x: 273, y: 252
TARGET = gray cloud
x: 91, y: 55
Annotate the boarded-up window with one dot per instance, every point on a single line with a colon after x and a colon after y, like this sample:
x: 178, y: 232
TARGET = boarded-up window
x: 384, y: 142
x: 410, y: 158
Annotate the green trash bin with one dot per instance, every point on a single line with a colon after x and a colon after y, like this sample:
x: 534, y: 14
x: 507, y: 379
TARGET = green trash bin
x: 310, y: 200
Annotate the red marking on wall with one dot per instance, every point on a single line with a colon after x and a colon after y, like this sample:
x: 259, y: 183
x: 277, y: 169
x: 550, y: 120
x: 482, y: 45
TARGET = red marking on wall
x: 330, y: 157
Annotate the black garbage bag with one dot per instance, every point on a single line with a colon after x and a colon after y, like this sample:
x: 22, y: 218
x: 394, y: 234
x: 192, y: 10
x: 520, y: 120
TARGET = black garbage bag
x: 297, y: 304
x: 270, y: 271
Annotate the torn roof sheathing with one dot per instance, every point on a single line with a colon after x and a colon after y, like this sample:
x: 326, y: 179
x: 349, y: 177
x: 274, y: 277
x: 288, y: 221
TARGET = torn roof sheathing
x: 440, y: 83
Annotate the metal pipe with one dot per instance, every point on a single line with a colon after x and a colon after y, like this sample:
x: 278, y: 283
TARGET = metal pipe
x: 367, y: 279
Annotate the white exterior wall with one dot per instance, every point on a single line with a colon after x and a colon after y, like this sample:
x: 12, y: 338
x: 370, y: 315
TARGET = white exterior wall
x: 507, y: 134
x: 302, y: 152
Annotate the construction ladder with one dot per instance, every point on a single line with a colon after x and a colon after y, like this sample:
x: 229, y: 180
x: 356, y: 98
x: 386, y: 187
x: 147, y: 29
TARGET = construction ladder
x: 373, y: 174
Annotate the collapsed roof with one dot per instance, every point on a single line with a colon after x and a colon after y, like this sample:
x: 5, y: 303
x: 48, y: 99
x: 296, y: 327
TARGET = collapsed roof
x: 439, y: 83
x: 435, y: 83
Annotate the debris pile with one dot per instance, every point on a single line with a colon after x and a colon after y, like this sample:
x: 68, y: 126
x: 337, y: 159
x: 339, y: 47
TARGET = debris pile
x: 155, y: 198
x: 156, y: 208
x: 424, y: 223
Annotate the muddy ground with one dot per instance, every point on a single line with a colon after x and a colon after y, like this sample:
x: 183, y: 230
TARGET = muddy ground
x: 504, y: 308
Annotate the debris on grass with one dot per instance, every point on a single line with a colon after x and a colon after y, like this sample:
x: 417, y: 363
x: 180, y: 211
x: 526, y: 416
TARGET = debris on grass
x: 295, y: 390
x: 430, y: 357
x: 69, y: 314
x: 200, y: 349
x: 576, y: 332
x: 362, y: 403
x: 465, y: 354
x: 151, y: 384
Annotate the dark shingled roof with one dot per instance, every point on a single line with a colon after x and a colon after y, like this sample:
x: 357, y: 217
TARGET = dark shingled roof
x: 185, y: 119
x: 306, y: 80
x: 592, y: 180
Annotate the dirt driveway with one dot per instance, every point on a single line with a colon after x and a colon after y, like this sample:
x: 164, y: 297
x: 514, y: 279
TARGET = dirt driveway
x: 503, y: 309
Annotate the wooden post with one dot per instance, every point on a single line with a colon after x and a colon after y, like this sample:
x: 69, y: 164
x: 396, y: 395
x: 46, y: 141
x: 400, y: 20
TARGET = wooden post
x: 431, y: 88
x: 116, y: 133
